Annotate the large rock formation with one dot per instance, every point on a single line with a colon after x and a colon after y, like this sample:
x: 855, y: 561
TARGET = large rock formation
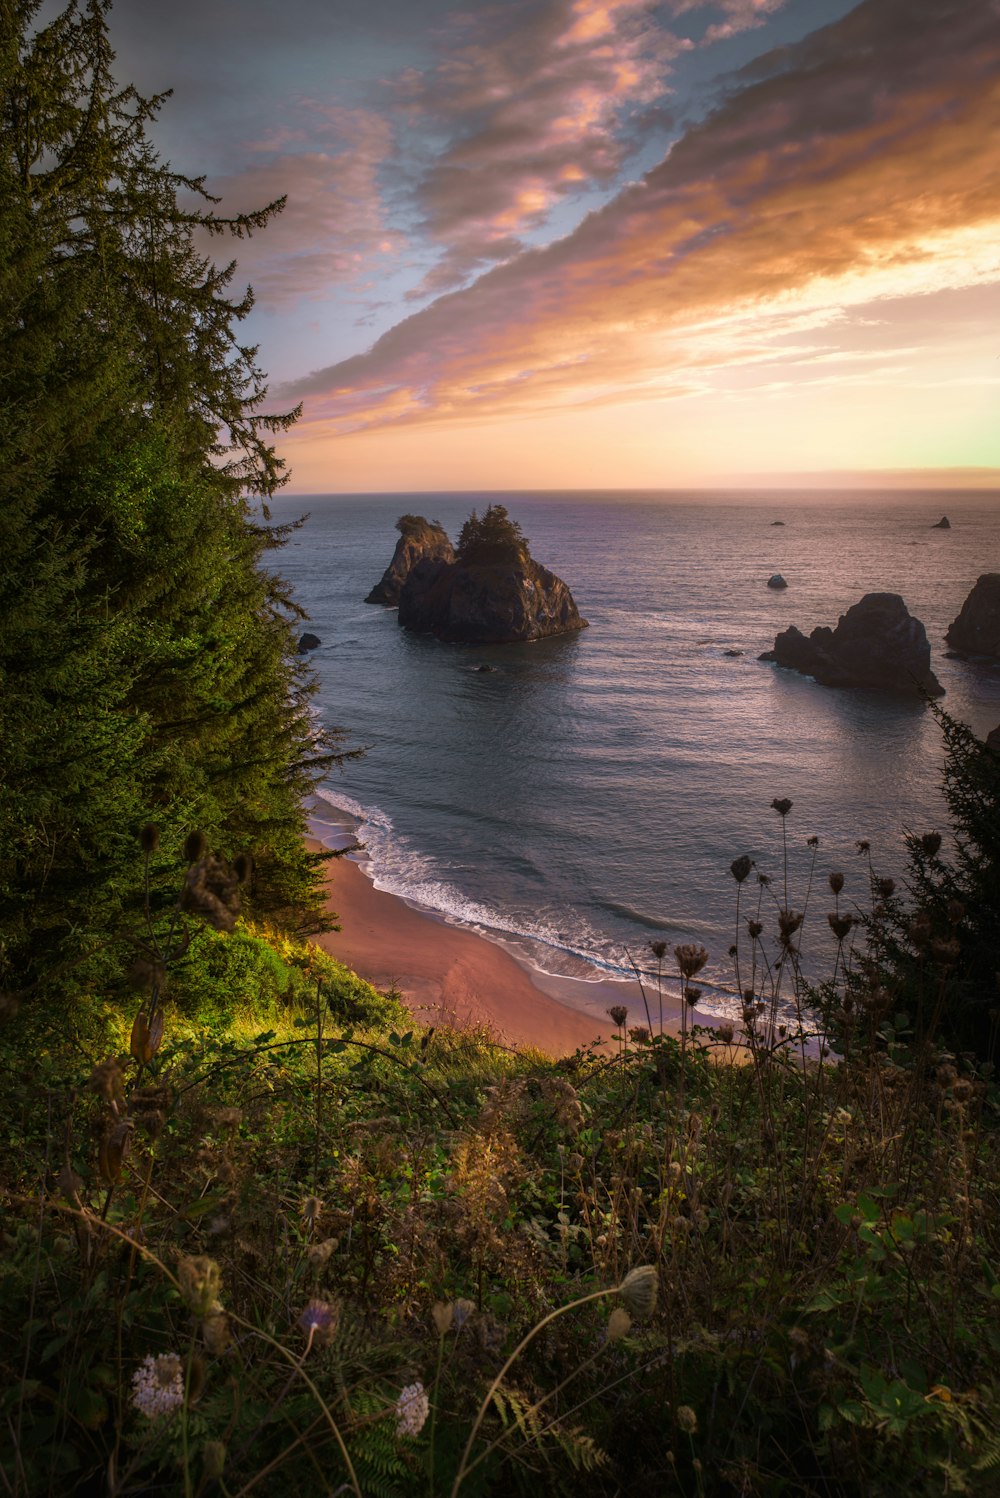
x: 877, y: 643
x: 419, y: 540
x: 492, y: 593
x: 944, y: 524
x: 976, y: 631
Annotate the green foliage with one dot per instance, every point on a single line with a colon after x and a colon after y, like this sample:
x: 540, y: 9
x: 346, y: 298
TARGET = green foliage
x: 147, y: 660
x: 492, y: 538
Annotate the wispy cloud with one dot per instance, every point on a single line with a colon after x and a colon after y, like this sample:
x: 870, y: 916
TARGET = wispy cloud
x: 335, y: 223
x: 528, y: 97
x: 863, y: 163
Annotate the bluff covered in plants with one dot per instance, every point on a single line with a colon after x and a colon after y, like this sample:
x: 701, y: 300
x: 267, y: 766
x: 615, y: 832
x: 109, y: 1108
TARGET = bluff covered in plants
x: 419, y: 540
x: 492, y: 593
x: 147, y: 657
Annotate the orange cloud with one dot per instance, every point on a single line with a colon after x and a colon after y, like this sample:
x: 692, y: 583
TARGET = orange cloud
x: 863, y: 163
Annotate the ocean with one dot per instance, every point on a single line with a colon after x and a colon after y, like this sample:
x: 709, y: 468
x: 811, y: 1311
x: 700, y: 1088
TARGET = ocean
x: 588, y: 795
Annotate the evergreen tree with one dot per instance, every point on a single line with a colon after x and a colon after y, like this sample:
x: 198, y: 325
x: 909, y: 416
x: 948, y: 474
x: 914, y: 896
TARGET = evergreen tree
x: 147, y: 660
x: 492, y: 537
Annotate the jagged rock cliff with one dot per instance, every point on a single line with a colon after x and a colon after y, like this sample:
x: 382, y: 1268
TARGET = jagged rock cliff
x: 976, y: 631
x: 488, y: 591
x: 877, y: 643
x: 419, y: 540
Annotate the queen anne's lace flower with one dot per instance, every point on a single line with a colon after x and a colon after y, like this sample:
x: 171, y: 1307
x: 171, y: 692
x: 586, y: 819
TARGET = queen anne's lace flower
x: 158, y: 1385
x: 412, y: 1409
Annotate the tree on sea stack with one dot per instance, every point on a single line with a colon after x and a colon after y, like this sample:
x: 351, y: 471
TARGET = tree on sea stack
x: 494, y: 537
x: 147, y: 659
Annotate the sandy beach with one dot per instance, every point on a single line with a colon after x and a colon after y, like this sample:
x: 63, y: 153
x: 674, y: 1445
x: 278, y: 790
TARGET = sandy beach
x: 450, y: 975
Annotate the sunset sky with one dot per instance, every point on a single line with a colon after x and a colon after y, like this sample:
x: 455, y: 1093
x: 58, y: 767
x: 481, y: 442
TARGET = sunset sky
x: 606, y: 243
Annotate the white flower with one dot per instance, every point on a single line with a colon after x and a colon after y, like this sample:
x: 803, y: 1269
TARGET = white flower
x: 158, y: 1385
x: 412, y: 1409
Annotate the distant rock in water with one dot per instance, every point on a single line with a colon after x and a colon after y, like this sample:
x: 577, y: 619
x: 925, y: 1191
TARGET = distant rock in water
x: 308, y: 642
x: 732, y: 652
x: 877, y: 643
x: 777, y: 522
x: 419, y: 540
x: 944, y: 524
x: 492, y: 593
x: 976, y: 631
x: 776, y: 580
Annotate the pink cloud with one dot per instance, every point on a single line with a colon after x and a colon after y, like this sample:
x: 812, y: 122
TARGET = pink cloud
x: 530, y: 111
x: 334, y: 224
x: 864, y: 162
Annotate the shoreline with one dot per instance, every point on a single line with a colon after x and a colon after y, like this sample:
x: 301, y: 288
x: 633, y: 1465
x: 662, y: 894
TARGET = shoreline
x: 451, y: 975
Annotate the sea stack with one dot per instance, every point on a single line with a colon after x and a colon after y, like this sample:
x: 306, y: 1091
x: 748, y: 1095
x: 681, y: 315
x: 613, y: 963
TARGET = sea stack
x: 419, y: 540
x: 944, y: 524
x: 776, y: 581
x: 976, y: 631
x: 877, y: 643
x: 492, y: 593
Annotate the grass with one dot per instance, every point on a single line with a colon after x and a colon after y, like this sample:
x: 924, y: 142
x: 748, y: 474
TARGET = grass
x: 372, y: 1259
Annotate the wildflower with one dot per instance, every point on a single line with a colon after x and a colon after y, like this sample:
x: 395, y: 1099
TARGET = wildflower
x: 319, y: 1322
x: 158, y: 1385
x: 412, y: 1409
x: 836, y: 882
x: 618, y: 1014
x: 687, y: 1420
x: 740, y: 868
x: 690, y: 958
x: 782, y: 807
x: 638, y: 1290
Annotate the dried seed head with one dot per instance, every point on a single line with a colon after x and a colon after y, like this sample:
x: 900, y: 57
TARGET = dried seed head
x: 836, y: 882
x: 638, y: 1290
x: 687, y: 1420
x: 947, y: 952
x: 200, y: 1282
x: 740, y: 868
x: 691, y: 958
x: 812, y: 842
x: 725, y: 1032
x: 639, y: 1034
x: 10, y: 1003
x: 147, y: 972
x: 618, y: 1014
x: 658, y: 949
x: 931, y: 843
x: 149, y: 838
x: 782, y: 807
x: 863, y: 845
x: 444, y: 1317
x: 840, y: 925
x: 318, y: 1254
x: 692, y: 995
x: 147, y: 1036
x: 754, y: 929
x: 112, y: 1152
x: 212, y: 893
x: 956, y: 912
x: 789, y: 922
x: 213, y: 1459
x: 108, y: 1080
x: 885, y: 887
x: 619, y: 1324
x: 216, y: 1333
x: 194, y: 846
x: 243, y: 867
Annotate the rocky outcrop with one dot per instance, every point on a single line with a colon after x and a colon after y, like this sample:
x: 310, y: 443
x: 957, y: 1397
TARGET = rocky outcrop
x: 308, y: 642
x: 495, y: 603
x: 419, y: 540
x: 877, y: 643
x: 944, y: 524
x: 976, y: 631
x: 776, y: 581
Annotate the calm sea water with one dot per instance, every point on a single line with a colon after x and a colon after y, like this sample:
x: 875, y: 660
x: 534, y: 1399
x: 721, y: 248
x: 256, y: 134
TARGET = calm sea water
x: 588, y: 795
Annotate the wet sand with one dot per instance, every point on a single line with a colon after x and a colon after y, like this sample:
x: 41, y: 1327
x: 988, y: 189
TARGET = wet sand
x: 450, y: 975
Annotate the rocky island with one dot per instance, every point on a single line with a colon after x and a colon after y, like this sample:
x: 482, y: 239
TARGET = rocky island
x: 420, y: 540
x: 488, y: 590
x: 877, y: 643
x: 976, y: 631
